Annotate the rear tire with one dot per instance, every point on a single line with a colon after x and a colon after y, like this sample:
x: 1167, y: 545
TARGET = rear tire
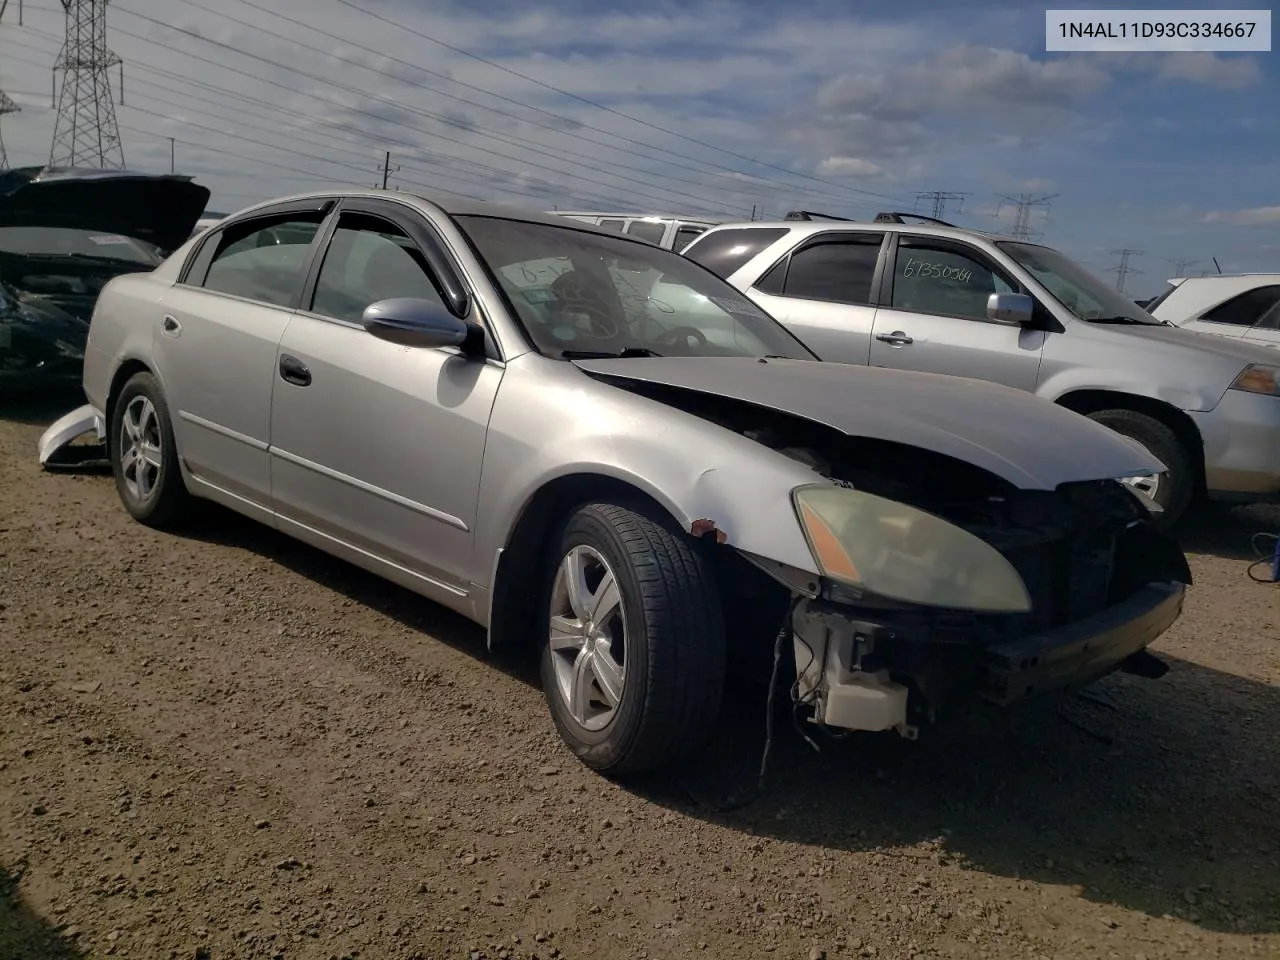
x: 144, y: 456
x: 1176, y: 489
x: 646, y: 658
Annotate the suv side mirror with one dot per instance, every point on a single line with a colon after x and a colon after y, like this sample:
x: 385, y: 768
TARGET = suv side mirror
x: 1014, y: 309
x: 412, y: 322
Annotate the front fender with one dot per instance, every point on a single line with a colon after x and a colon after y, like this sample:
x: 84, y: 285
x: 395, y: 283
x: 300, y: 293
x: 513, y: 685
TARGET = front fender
x: 696, y: 470
x: 1069, y: 381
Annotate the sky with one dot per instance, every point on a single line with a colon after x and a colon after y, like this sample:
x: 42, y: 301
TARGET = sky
x: 698, y: 107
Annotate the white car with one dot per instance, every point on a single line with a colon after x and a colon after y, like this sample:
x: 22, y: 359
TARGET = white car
x: 1244, y: 306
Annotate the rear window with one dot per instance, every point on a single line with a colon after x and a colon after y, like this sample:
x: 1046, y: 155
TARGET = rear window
x: 724, y: 251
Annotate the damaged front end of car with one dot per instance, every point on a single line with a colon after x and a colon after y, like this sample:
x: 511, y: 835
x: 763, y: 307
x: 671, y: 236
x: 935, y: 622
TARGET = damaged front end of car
x: 1001, y: 598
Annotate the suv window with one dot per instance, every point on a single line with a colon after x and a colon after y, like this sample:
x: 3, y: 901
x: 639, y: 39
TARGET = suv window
x: 647, y: 230
x: 686, y: 235
x: 1244, y: 309
x: 836, y: 270
x: 724, y: 251
x: 614, y: 225
x: 942, y: 280
x: 261, y: 260
x: 369, y: 259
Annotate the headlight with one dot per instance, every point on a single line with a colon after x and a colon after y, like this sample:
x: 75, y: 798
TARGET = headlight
x: 68, y: 350
x: 896, y: 551
x: 1259, y: 378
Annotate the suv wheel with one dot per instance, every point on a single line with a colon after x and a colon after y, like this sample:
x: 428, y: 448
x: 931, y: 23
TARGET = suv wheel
x: 1173, y: 490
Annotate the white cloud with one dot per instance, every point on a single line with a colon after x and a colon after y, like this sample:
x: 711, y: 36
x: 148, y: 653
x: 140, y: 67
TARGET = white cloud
x: 849, y: 167
x: 1252, y: 217
x: 1201, y: 67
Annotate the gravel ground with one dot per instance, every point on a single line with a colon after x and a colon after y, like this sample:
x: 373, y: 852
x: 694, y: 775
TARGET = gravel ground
x: 225, y: 744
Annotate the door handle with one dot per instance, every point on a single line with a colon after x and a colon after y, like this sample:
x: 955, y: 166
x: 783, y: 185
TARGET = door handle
x: 170, y: 326
x: 294, y: 371
x: 895, y: 339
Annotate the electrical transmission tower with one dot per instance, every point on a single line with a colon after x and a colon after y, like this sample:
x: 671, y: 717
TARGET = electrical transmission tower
x: 85, y: 133
x: 7, y: 105
x: 1122, y: 270
x: 939, y: 199
x: 1180, y: 267
x: 1024, y: 203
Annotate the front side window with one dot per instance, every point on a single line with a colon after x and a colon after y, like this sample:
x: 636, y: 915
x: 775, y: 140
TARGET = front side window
x: 262, y: 260
x: 836, y: 271
x: 1086, y: 296
x: 578, y: 292
x: 647, y: 230
x: 686, y: 235
x: 940, y: 279
x: 1245, y: 309
x: 370, y: 259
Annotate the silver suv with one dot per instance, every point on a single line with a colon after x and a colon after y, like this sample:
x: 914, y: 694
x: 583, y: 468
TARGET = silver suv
x: 936, y: 298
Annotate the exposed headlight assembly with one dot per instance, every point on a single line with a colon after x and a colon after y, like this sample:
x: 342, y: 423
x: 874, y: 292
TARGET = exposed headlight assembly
x: 902, y: 553
x: 1259, y: 378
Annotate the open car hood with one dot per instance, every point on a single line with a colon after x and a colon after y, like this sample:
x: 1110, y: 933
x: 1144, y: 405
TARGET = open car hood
x: 1030, y: 442
x: 159, y: 208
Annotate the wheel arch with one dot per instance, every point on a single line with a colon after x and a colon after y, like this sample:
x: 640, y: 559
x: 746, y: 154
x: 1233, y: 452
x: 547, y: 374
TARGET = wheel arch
x: 123, y: 372
x: 513, y: 597
x: 1184, y: 428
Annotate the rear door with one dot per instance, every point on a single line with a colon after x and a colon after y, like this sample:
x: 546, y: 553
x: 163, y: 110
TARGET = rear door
x: 933, y: 316
x: 215, y: 343
x: 824, y: 291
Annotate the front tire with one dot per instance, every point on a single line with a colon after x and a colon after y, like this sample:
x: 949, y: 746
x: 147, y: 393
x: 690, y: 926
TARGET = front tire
x: 633, y: 663
x: 1175, y: 490
x: 144, y: 456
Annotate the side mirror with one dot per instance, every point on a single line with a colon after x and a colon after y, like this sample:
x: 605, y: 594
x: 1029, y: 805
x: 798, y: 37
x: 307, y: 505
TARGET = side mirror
x: 412, y: 322
x: 1014, y: 309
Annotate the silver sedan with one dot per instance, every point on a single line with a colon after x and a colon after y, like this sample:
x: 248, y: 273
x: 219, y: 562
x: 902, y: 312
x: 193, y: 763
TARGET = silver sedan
x: 591, y: 444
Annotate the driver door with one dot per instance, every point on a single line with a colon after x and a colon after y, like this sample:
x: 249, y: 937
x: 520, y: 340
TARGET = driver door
x: 377, y: 447
x: 934, y: 316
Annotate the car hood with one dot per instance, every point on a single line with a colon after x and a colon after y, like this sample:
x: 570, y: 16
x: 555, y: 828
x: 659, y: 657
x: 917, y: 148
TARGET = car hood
x: 1030, y: 442
x: 160, y: 209
x: 1225, y: 348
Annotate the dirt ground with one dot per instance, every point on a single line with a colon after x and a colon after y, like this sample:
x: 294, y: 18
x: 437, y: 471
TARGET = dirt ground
x: 225, y: 744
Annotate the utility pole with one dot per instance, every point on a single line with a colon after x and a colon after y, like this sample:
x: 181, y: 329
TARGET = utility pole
x: 1122, y: 270
x: 172, y: 155
x: 386, y: 169
x: 939, y: 199
x: 7, y: 105
x: 85, y: 133
x: 1024, y: 204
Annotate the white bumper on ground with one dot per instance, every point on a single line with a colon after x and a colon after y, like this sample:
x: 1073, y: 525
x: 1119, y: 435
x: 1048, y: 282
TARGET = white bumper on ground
x: 56, y: 440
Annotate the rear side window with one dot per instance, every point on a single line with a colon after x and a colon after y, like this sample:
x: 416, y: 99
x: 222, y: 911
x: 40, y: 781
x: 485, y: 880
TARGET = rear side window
x: 614, y: 225
x: 1245, y: 309
x: 724, y: 251
x: 262, y: 260
x: 647, y: 230
x: 836, y: 271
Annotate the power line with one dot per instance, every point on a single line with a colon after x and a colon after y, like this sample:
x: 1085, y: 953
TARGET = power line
x: 601, y: 106
x: 7, y: 104
x: 402, y: 106
x: 939, y: 200
x: 1024, y: 204
x: 557, y: 128
x: 1122, y: 269
x: 85, y: 132
x: 361, y: 139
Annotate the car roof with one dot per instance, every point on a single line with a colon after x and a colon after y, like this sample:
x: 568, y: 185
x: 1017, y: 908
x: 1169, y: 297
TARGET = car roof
x: 809, y: 227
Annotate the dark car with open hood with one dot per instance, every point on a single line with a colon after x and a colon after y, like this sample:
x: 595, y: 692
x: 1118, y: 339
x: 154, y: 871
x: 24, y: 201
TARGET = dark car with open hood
x: 63, y: 235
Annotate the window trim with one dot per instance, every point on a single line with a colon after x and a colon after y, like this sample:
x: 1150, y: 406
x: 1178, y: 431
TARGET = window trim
x: 430, y: 243
x: 1203, y: 317
x: 1042, y: 318
x: 822, y: 239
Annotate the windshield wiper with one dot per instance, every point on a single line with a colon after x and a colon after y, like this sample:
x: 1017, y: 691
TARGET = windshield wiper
x: 1126, y: 320
x: 625, y: 353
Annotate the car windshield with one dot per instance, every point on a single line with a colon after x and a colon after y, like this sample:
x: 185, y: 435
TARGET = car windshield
x: 1086, y: 296
x: 68, y: 242
x: 579, y: 293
